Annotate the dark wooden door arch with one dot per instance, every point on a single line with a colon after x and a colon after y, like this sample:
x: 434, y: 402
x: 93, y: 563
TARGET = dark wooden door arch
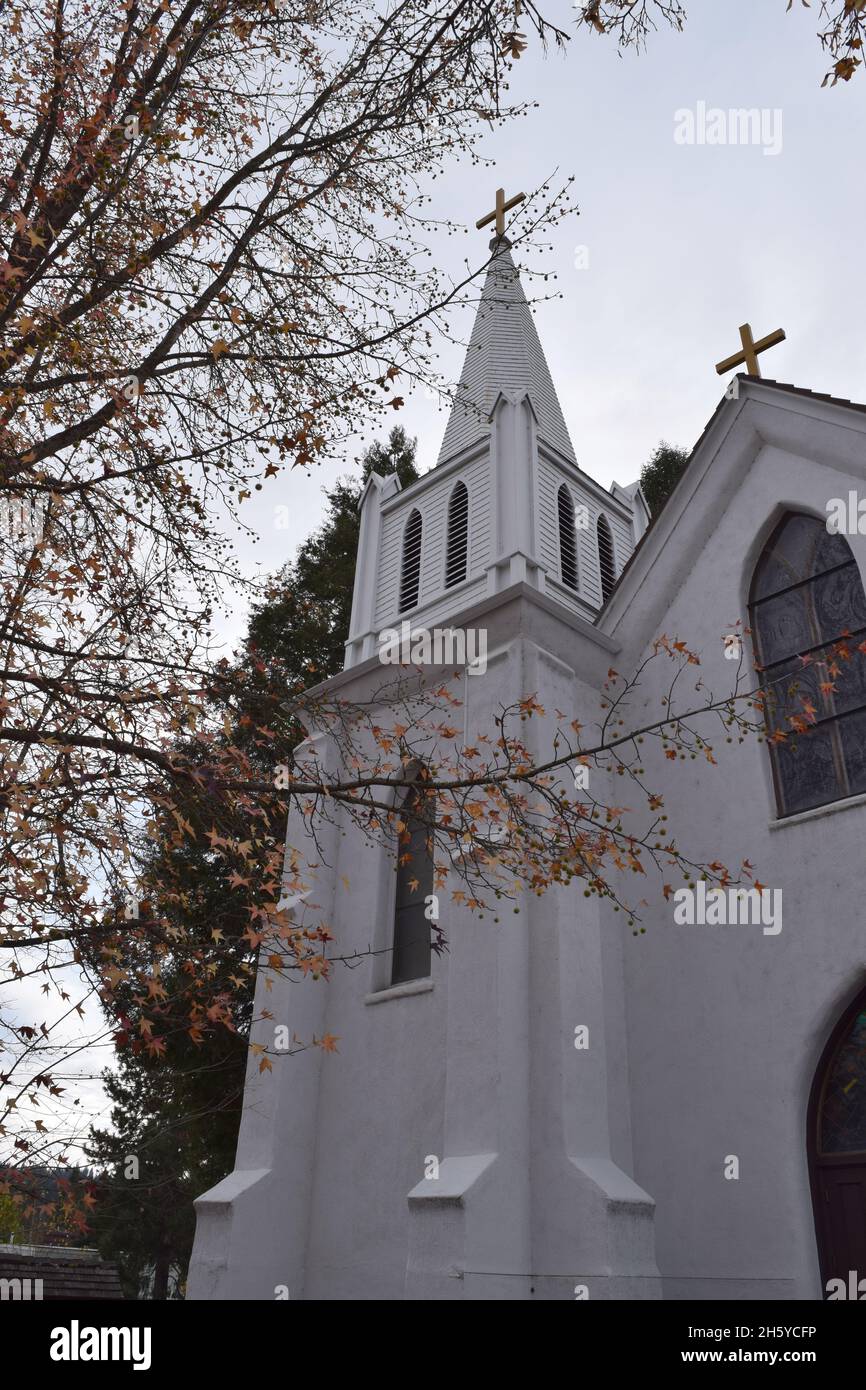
x: 837, y: 1147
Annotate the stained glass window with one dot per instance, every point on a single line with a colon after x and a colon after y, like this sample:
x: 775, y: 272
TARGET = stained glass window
x: 843, y: 1105
x: 808, y: 618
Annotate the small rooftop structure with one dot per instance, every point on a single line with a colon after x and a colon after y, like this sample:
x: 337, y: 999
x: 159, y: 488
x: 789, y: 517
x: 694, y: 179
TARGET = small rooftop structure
x: 49, y: 1272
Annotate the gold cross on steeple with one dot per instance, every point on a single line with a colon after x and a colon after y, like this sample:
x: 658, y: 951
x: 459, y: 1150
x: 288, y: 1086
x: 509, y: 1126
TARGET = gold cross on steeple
x: 749, y: 354
x: 500, y: 210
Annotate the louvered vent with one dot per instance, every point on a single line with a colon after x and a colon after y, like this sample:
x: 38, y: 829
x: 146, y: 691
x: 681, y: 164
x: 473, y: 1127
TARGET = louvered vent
x: 458, y: 536
x: 567, y: 539
x: 605, y: 558
x: 411, y: 575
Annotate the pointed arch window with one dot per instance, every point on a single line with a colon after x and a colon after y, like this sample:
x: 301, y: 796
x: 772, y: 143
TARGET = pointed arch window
x: 457, y: 546
x: 410, y: 575
x: 567, y: 538
x: 606, y: 561
x: 808, y: 618
x: 412, y: 946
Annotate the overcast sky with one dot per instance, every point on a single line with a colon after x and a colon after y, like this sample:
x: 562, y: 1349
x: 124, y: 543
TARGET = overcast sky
x: 684, y: 243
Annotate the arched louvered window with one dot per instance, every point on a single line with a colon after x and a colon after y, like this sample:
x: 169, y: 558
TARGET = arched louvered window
x: 458, y: 536
x: 808, y: 618
x: 410, y: 576
x: 567, y: 538
x: 606, y: 562
x: 412, y: 947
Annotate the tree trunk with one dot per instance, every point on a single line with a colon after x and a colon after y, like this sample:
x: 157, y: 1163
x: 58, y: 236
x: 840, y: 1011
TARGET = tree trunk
x: 160, y: 1276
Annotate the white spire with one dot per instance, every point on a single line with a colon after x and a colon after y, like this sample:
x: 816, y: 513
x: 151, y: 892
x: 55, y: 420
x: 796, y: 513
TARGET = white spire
x: 504, y: 355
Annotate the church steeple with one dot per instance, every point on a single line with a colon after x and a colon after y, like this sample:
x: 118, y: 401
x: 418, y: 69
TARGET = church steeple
x: 506, y: 504
x: 504, y: 356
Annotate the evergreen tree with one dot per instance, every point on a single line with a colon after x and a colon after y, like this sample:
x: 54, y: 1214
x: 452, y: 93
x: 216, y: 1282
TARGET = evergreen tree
x: 11, y: 1225
x: 173, y: 1133
x: 661, y: 474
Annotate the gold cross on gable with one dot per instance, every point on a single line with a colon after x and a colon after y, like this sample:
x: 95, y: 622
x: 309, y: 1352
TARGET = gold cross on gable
x: 749, y: 354
x: 500, y: 210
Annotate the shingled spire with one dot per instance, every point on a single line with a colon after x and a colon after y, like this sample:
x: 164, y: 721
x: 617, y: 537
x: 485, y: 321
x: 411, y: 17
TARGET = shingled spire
x: 504, y: 355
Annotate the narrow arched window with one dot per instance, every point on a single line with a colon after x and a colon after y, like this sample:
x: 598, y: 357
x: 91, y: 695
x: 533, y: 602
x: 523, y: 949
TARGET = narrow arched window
x: 413, y: 903
x: 606, y: 562
x: 410, y: 576
x: 808, y: 617
x: 458, y: 536
x: 567, y: 538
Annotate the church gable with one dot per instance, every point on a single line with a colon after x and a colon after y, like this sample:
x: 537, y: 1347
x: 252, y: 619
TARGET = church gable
x: 780, y: 446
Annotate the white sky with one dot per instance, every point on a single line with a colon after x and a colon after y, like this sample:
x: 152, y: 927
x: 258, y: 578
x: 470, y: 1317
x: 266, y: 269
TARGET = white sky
x: 685, y: 243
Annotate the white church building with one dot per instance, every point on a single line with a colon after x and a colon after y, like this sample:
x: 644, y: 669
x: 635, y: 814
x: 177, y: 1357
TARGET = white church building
x: 707, y: 1138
